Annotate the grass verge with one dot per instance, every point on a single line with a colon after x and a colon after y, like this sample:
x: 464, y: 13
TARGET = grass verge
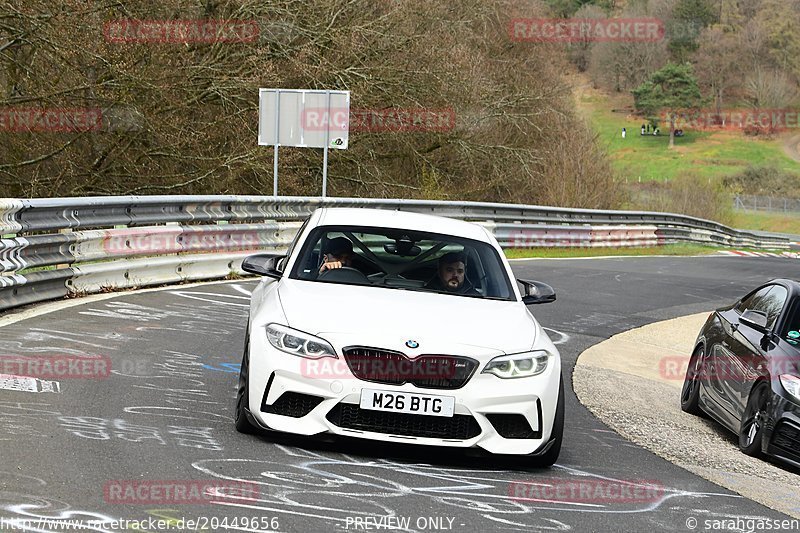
x: 776, y: 222
x: 647, y: 158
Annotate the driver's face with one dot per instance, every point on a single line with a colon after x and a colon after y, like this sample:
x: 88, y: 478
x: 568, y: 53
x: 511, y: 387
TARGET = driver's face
x: 345, y: 258
x: 452, y: 275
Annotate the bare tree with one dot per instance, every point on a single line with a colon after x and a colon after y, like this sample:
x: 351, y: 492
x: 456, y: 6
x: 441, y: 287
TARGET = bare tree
x: 780, y: 22
x: 580, y: 52
x: 717, y: 63
x: 621, y: 66
x: 769, y: 89
x: 181, y: 117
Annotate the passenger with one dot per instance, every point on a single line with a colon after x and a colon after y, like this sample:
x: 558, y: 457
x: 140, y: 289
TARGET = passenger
x: 339, y: 253
x: 451, y: 275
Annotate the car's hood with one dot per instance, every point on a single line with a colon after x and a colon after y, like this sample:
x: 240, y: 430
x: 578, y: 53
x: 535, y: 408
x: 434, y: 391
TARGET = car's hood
x: 389, y: 318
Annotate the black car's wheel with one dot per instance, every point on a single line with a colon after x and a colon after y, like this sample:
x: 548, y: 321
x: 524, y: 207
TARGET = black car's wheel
x: 243, y: 425
x: 551, y: 455
x: 690, y: 394
x: 754, y: 419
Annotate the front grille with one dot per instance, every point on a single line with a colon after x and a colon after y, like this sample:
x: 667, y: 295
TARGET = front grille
x: 787, y: 436
x: 457, y: 427
x: 395, y: 368
x: 511, y: 426
x: 292, y: 404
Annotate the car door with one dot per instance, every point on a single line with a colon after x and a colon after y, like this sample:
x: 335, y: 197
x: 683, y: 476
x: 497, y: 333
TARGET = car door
x: 751, y: 360
x: 725, y: 359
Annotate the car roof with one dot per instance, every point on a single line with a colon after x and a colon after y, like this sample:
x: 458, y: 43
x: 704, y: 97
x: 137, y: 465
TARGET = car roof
x: 792, y: 285
x: 385, y: 218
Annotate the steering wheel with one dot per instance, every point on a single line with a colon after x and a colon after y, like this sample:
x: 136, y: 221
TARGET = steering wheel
x: 345, y: 275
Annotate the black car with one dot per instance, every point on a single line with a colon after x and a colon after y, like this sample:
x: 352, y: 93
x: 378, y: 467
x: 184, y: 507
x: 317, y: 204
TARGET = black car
x: 745, y: 371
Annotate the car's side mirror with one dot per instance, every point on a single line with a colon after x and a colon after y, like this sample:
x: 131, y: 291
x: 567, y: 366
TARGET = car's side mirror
x: 263, y: 265
x: 537, y: 292
x: 755, y: 319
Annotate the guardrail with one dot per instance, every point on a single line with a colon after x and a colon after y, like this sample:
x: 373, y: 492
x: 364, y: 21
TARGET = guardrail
x: 58, y: 247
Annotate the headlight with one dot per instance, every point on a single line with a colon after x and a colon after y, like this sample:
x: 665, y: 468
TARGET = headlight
x: 791, y: 384
x: 521, y: 365
x: 298, y: 343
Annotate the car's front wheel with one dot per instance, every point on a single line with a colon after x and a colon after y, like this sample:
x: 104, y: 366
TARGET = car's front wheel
x: 243, y: 424
x: 690, y: 394
x: 550, y: 457
x: 751, y: 432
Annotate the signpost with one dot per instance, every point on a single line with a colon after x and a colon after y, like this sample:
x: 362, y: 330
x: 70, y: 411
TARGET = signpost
x: 305, y: 119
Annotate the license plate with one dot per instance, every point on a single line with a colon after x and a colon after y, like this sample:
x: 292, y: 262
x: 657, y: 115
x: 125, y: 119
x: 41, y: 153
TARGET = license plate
x: 407, y: 402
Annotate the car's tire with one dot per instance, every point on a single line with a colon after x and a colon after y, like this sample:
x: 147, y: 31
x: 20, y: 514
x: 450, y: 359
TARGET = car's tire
x: 690, y: 393
x: 550, y: 457
x: 751, y: 431
x: 243, y: 424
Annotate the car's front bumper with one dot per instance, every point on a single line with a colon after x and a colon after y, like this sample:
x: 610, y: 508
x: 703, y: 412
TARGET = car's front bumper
x: 782, y: 435
x: 335, y: 406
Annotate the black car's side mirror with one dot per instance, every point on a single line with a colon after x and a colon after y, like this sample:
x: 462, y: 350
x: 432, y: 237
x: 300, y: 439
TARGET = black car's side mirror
x: 537, y: 292
x: 263, y: 265
x: 755, y: 319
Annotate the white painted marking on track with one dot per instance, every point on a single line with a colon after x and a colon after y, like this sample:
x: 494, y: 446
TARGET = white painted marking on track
x: 28, y: 384
x: 241, y: 289
x: 563, y: 338
x: 45, y: 308
x: 194, y: 295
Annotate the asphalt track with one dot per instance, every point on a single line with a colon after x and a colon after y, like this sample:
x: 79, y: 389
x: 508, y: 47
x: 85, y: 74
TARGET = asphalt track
x: 165, y: 413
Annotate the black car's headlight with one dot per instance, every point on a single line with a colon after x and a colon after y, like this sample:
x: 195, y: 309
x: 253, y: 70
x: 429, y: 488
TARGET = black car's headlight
x: 298, y: 343
x: 521, y: 365
x: 791, y: 384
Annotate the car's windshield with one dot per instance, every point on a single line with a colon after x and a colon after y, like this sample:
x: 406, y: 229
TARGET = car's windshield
x: 402, y: 259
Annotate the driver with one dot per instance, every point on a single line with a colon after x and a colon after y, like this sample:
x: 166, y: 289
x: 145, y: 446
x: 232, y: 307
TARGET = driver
x: 339, y: 253
x: 451, y: 275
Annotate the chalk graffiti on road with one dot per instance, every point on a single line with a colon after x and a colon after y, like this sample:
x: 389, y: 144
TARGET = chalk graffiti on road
x: 331, y: 487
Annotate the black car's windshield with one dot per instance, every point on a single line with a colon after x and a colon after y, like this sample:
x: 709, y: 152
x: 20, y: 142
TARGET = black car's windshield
x: 402, y: 259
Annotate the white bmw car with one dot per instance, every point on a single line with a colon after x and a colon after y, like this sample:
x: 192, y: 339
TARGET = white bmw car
x: 400, y: 327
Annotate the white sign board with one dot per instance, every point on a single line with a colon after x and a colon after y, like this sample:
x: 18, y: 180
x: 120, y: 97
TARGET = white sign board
x: 303, y: 118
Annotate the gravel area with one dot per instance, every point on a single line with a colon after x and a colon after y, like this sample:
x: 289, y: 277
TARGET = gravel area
x: 647, y: 412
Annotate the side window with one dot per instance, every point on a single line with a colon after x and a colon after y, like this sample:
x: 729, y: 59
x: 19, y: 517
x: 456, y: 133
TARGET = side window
x: 753, y: 301
x: 772, y: 304
x: 768, y: 300
x: 793, y: 324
